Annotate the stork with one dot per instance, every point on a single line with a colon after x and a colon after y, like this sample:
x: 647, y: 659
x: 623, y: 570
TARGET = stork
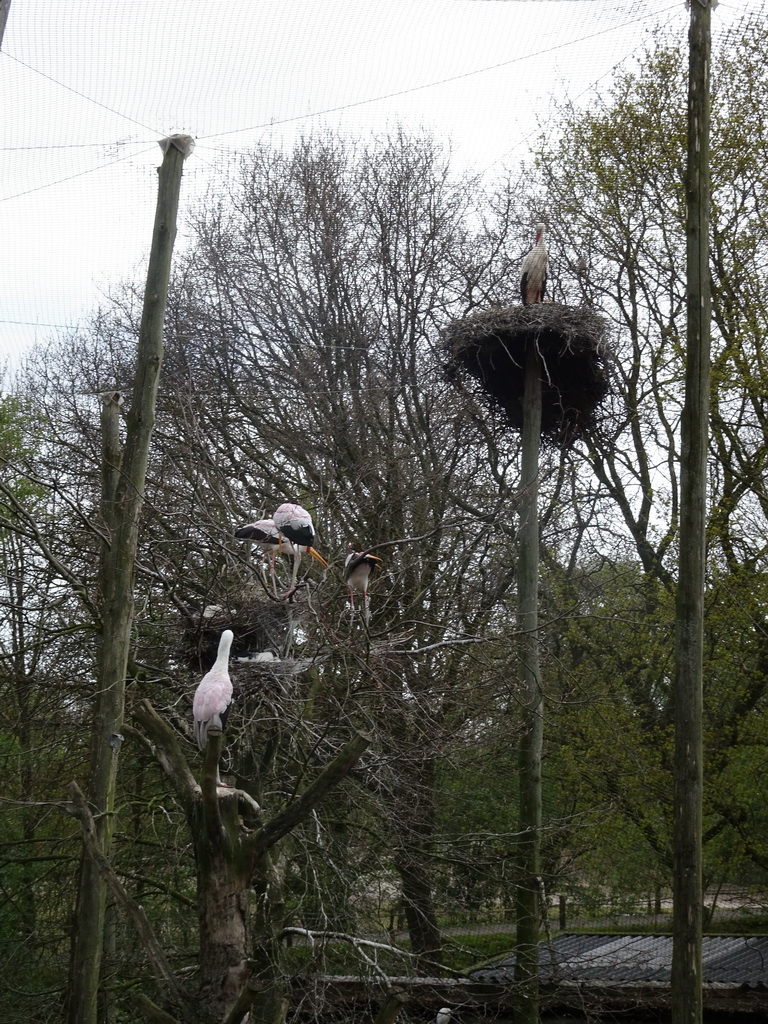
x: 295, y: 523
x: 533, y: 273
x: 357, y: 570
x: 264, y: 533
x: 213, y: 695
x: 444, y: 1015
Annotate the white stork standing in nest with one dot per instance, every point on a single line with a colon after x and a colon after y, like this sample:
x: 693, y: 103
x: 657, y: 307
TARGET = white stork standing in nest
x: 357, y: 570
x: 295, y: 523
x: 533, y: 273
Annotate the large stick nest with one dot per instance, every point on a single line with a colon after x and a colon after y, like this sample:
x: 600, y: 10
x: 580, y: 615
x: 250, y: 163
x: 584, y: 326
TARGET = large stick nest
x: 491, y: 346
x: 258, y: 625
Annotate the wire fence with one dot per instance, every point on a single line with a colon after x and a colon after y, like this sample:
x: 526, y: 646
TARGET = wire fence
x: 86, y: 98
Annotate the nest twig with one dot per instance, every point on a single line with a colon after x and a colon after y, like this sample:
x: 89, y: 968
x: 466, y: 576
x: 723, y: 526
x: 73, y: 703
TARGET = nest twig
x: 491, y: 346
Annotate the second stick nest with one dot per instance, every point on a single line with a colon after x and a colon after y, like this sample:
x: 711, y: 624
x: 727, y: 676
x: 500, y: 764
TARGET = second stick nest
x: 492, y: 345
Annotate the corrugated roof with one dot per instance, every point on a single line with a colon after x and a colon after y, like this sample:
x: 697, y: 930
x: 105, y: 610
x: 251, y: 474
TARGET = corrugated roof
x: 624, y: 959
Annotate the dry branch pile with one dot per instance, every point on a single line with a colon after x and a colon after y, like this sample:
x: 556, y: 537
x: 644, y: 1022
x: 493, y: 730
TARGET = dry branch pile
x: 491, y: 346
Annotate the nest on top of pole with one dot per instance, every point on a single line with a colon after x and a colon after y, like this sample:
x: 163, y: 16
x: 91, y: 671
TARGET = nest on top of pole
x: 491, y: 346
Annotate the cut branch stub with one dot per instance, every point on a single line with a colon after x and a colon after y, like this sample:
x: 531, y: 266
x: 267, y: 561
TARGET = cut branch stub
x: 491, y: 346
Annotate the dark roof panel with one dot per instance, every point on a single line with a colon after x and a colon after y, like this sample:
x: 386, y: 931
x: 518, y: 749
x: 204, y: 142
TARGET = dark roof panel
x: 623, y: 959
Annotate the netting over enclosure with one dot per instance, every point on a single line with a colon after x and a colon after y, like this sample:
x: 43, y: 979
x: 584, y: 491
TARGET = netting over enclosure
x: 86, y: 97
x: 365, y: 181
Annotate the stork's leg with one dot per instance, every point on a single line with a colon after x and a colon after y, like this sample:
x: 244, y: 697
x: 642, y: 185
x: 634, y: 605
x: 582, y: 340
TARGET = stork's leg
x: 366, y: 608
x: 295, y: 576
x: 296, y: 562
x: 263, y: 566
x: 351, y: 605
x: 263, y: 571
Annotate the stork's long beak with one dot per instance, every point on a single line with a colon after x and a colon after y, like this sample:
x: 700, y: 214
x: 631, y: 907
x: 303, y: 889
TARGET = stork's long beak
x: 375, y: 558
x: 318, y: 557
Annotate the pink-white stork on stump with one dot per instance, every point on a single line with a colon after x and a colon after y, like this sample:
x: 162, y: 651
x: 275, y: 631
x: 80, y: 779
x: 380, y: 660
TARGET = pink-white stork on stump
x: 295, y: 524
x: 533, y: 273
x: 214, y: 695
x: 357, y: 571
x: 264, y: 533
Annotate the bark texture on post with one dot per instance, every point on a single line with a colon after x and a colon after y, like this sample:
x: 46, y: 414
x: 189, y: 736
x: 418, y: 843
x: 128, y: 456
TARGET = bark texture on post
x: 529, y: 840
x: 687, y: 1002
x: 123, y: 480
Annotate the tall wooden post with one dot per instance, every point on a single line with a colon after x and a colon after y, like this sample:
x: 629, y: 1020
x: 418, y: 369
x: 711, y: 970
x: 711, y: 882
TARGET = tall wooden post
x: 5, y: 7
x: 123, y: 480
x: 687, y: 1003
x: 529, y: 840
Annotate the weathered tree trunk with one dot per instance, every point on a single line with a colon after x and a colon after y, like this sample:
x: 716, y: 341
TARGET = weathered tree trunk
x: 224, y: 931
x: 413, y: 822
x: 224, y: 876
x: 271, y: 998
x: 687, y: 1000
x: 426, y: 942
x: 240, y: 957
x: 85, y: 958
x: 122, y: 499
x: 529, y: 840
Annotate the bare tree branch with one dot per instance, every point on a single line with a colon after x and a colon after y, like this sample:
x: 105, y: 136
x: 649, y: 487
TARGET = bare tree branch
x: 300, y: 809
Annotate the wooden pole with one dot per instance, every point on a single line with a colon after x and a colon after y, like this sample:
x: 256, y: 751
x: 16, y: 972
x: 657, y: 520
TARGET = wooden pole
x: 529, y: 840
x: 5, y: 7
x: 123, y: 480
x: 687, y: 1002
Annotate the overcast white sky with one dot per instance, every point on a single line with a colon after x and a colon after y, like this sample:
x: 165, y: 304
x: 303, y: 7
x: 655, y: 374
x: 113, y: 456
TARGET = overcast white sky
x: 88, y: 87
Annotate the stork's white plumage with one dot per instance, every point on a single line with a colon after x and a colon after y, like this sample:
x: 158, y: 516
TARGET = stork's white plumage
x: 264, y: 533
x: 444, y: 1016
x: 214, y: 694
x: 533, y: 273
x: 357, y: 571
x: 295, y: 523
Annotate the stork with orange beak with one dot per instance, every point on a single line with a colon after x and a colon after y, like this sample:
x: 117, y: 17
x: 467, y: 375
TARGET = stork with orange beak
x: 294, y: 523
x: 357, y: 571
